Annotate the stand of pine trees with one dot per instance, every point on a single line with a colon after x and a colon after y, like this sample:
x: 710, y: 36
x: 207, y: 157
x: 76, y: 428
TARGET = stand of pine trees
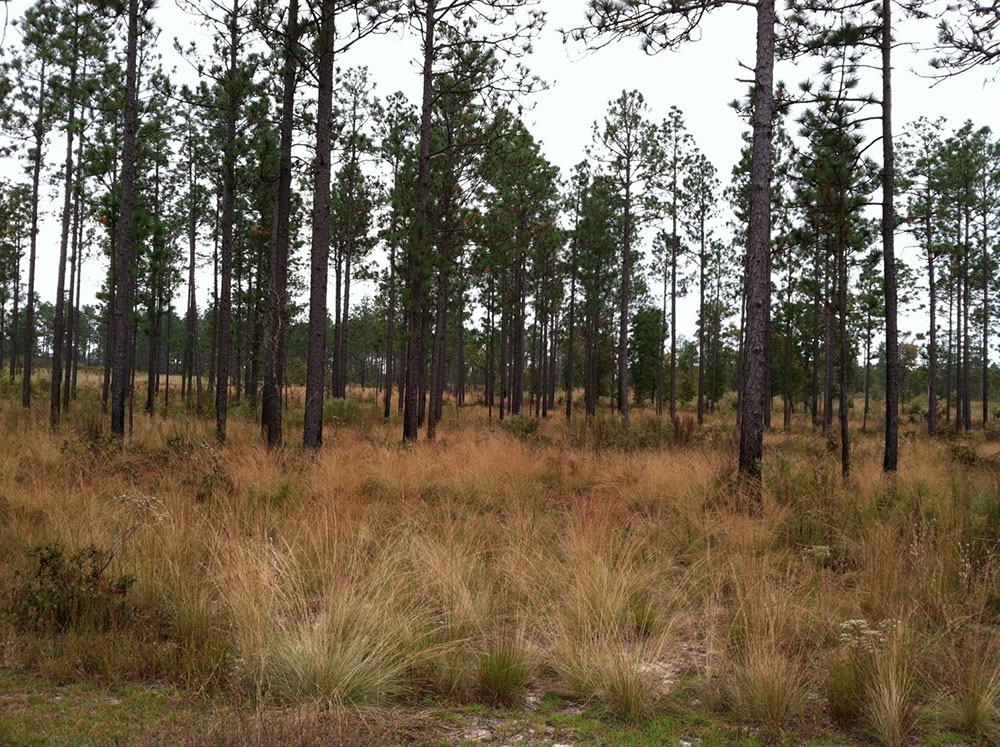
x: 466, y: 268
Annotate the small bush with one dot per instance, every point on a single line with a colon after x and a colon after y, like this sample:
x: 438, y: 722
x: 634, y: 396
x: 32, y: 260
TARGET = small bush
x: 521, y: 426
x: 341, y: 412
x: 70, y: 592
x: 611, y: 434
x: 964, y: 454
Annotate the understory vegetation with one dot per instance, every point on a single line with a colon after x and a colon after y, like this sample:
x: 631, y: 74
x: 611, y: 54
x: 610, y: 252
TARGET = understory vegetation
x: 584, y: 584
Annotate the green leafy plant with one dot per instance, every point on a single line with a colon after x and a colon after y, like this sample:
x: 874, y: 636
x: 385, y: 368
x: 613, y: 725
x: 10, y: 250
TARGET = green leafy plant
x: 521, y: 426
x: 70, y: 591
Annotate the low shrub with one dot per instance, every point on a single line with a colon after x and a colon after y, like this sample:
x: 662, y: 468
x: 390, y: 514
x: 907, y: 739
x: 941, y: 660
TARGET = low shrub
x: 521, y: 426
x: 70, y: 591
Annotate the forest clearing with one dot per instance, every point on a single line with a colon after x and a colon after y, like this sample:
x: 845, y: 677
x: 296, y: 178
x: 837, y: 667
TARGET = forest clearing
x: 569, y: 585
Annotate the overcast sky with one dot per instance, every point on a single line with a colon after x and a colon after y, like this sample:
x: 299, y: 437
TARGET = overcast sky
x: 701, y: 79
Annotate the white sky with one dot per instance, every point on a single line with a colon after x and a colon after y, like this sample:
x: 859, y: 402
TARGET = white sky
x: 700, y: 79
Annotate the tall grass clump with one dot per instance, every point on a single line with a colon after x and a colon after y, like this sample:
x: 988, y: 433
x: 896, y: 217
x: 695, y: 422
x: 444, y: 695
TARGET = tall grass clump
x: 616, y: 678
x: 970, y: 703
x: 766, y: 686
x: 506, y: 668
x: 872, y: 683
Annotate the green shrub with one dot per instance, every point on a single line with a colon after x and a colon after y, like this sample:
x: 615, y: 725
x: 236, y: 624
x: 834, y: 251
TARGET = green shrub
x: 521, y: 426
x: 70, y: 592
x: 341, y: 412
x: 646, y: 433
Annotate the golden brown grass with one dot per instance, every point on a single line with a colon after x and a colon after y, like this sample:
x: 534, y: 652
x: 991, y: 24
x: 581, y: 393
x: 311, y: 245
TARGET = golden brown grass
x: 480, y: 566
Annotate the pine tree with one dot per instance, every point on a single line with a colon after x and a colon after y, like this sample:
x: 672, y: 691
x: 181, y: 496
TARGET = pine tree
x: 625, y: 146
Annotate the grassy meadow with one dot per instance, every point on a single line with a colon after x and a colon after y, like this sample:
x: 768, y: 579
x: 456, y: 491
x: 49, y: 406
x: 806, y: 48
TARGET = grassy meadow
x: 561, y: 585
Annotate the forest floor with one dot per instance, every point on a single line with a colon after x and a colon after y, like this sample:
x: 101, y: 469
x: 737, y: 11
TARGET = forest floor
x: 536, y: 584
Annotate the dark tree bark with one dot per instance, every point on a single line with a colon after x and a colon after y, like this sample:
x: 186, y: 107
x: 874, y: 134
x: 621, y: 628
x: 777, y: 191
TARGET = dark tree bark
x: 758, y: 249
x: 828, y: 354
x: 701, y: 323
x: 932, y: 362
x: 891, y: 457
x: 416, y: 270
x: 625, y: 300
x: 345, y: 314
x: 986, y: 319
x: 817, y: 262
x: 571, y: 330
x: 868, y: 371
x: 437, y: 356
x: 59, y: 315
x: 76, y: 307
x: 673, y: 312
x: 390, y: 332
x: 166, y: 358
x: 72, y: 313
x: 120, y: 337
x: 520, y: 322
x: 948, y: 369
x: 14, y: 310
x: 490, y: 349
x: 224, y: 309
x: 320, y: 253
x: 663, y: 344
x: 191, y: 320
x: 29, y: 309
x: 277, y: 286
x: 213, y: 356
x: 845, y: 434
x: 966, y: 369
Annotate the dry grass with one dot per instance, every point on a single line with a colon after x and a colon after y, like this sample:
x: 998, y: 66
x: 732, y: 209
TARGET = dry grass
x: 481, y: 565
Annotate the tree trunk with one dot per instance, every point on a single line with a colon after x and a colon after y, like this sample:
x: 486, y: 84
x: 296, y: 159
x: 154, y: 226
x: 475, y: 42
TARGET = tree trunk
x: 277, y: 282
x: 121, y: 342
x: 390, y: 332
x: 14, y: 311
x: 29, y: 310
x: 966, y: 368
x: 948, y: 369
x: 828, y: 344
x: 59, y: 312
x: 437, y: 356
x: 868, y: 370
x: 191, y: 320
x: 701, y: 324
x: 758, y: 249
x: 663, y: 344
x: 76, y: 307
x: 845, y: 435
x: 571, y: 331
x: 416, y: 269
x: 72, y: 321
x: 320, y: 254
x: 520, y: 323
x: 224, y: 310
x: 625, y: 301
x: 673, y: 317
x: 986, y: 320
x: 344, y: 318
x: 891, y: 457
x: 932, y: 362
